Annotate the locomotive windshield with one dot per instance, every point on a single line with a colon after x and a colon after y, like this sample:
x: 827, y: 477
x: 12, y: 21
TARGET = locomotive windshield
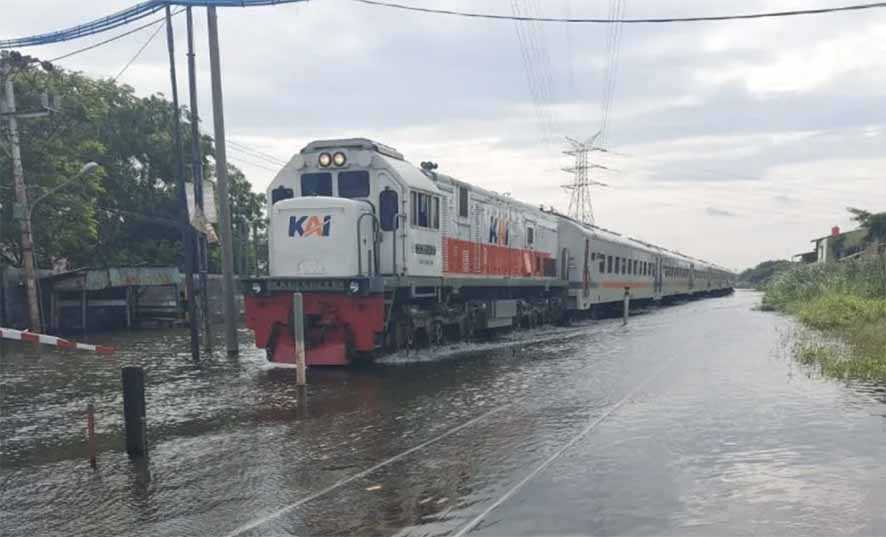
x: 316, y: 184
x: 353, y: 184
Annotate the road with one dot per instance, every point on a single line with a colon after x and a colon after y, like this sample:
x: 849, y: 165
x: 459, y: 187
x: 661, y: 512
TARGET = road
x: 693, y: 419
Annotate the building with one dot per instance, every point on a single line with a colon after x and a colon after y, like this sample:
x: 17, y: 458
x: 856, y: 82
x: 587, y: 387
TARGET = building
x: 836, y: 246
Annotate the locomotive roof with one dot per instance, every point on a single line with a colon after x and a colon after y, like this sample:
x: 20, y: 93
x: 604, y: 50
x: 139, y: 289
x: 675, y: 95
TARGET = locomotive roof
x: 353, y: 143
x: 427, y: 180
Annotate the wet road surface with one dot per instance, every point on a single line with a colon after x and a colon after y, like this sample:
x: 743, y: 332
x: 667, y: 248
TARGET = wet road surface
x: 690, y: 420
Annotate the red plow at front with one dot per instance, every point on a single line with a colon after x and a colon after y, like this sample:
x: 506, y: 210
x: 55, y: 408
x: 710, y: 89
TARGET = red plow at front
x: 337, y: 326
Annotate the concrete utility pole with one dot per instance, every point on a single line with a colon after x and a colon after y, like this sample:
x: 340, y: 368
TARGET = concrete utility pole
x: 186, y: 229
x: 224, y: 202
x: 197, y: 178
x: 21, y: 195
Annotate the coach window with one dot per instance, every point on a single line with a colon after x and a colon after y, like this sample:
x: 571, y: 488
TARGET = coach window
x: 602, y: 259
x: 608, y: 264
x: 530, y: 236
x: 463, y: 202
x: 353, y: 184
x: 316, y: 184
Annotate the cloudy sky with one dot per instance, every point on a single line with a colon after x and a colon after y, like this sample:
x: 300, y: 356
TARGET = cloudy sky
x: 732, y: 141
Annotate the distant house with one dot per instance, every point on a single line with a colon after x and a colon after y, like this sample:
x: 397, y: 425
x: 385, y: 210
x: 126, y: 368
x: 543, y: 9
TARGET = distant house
x: 805, y: 257
x: 837, y: 245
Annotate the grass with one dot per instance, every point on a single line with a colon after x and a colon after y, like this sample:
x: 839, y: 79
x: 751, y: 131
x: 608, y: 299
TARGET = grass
x: 845, y: 301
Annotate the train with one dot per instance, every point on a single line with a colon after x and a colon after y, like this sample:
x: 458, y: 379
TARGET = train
x: 386, y: 255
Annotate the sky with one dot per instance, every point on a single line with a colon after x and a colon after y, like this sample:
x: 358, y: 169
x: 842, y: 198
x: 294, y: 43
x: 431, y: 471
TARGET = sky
x: 735, y: 141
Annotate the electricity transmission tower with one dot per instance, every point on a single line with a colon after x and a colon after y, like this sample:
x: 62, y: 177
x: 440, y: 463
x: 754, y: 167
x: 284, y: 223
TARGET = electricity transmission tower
x: 580, y: 206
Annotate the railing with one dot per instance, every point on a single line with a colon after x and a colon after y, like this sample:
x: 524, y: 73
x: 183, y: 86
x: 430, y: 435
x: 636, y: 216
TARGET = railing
x: 372, y: 260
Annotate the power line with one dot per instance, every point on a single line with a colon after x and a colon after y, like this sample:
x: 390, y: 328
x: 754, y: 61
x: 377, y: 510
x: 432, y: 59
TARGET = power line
x: 711, y: 18
x: 106, y: 41
x: 243, y: 159
x: 124, y: 17
x: 616, y: 12
x: 137, y: 54
x: 258, y: 154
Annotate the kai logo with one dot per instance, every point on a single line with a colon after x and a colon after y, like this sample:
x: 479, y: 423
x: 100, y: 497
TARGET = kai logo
x: 498, y: 231
x: 307, y: 226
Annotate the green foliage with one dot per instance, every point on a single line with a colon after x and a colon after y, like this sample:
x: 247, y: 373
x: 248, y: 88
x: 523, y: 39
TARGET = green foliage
x: 839, y: 311
x: 874, y: 223
x: 846, y: 300
x: 758, y: 276
x: 112, y: 217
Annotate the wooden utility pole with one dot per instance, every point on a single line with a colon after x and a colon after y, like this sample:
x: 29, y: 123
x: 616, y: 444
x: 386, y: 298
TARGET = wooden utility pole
x: 197, y: 178
x: 186, y: 229
x: 224, y: 201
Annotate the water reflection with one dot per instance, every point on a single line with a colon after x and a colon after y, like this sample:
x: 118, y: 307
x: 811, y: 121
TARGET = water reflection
x: 725, y: 441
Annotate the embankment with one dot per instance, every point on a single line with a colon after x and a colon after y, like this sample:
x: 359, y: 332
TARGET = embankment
x: 846, y: 302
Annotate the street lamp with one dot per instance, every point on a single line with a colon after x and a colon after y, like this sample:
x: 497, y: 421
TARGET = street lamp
x: 87, y: 169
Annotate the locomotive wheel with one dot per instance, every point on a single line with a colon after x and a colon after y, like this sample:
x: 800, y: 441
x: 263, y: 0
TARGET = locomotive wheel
x: 436, y: 335
x: 468, y: 330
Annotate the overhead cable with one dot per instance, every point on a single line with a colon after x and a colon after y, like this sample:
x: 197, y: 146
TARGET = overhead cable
x: 652, y: 20
x: 106, y: 41
x: 137, y: 54
x: 124, y: 17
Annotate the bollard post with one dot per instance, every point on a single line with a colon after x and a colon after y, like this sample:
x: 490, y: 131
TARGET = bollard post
x: 134, y: 410
x: 90, y: 434
x: 298, y: 334
x: 627, y: 305
x: 301, y: 405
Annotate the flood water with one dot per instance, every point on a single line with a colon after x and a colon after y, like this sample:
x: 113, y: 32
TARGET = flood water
x: 691, y: 420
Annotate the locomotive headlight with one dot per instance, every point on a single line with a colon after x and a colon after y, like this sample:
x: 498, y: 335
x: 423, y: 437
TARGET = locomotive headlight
x: 324, y: 160
x: 354, y: 287
x: 339, y: 159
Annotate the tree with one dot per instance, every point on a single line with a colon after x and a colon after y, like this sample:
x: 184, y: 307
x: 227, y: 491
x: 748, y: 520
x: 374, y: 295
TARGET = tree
x: 115, y: 217
x: 875, y: 223
x: 758, y: 276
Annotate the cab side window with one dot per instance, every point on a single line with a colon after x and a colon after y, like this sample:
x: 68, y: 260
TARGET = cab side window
x: 425, y: 210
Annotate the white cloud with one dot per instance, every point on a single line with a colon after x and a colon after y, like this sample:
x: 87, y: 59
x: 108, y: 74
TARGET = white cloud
x: 802, y: 68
